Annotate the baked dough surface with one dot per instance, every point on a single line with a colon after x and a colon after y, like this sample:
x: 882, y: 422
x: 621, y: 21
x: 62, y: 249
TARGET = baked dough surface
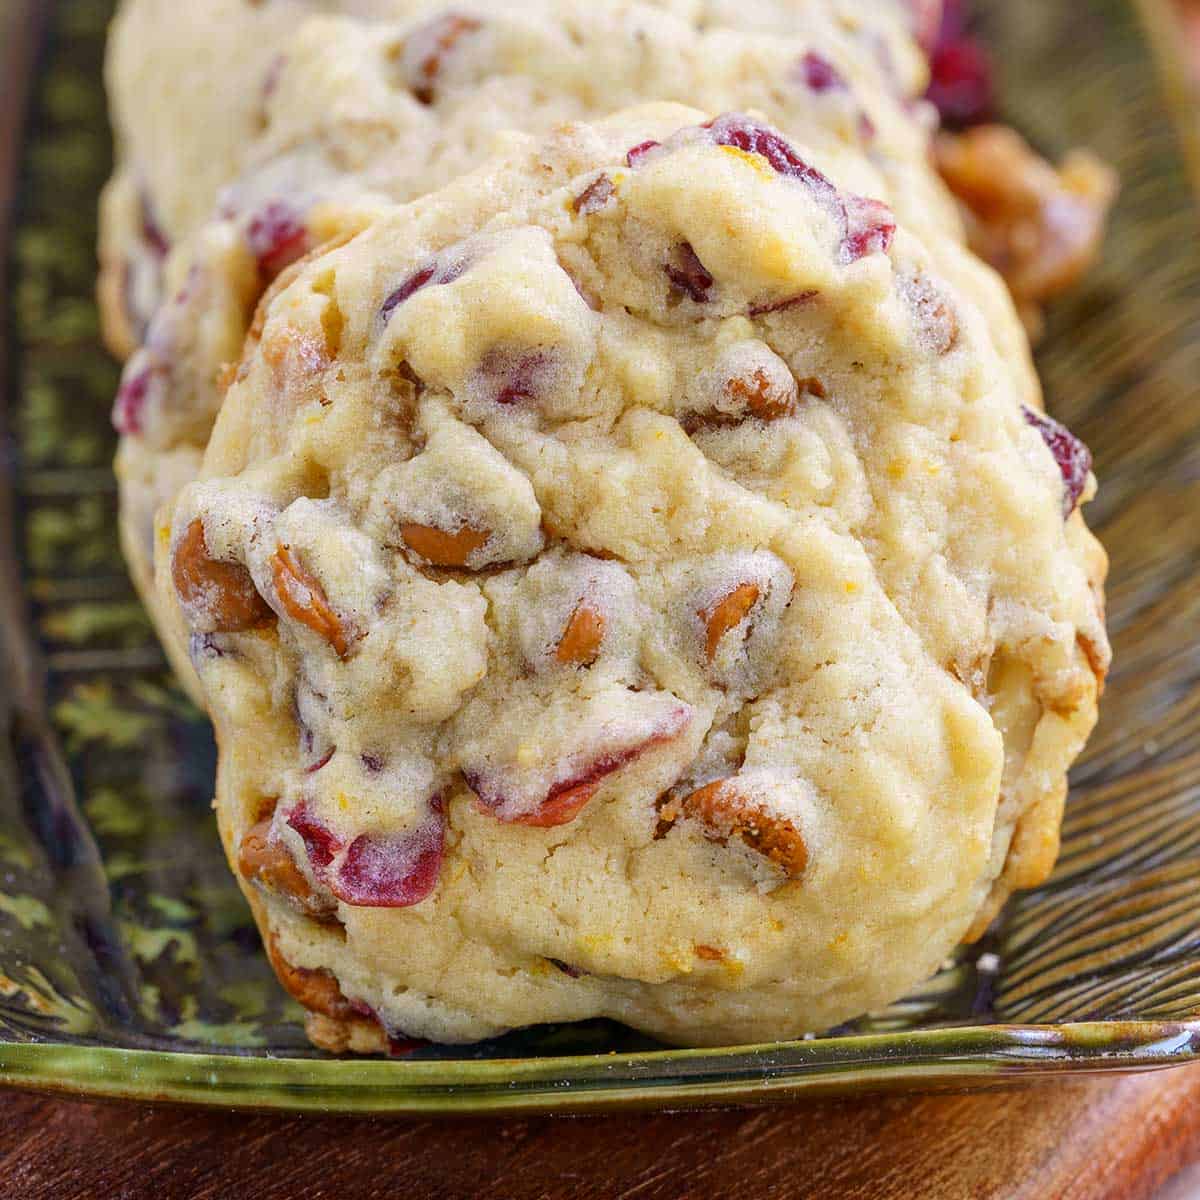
x: 632, y: 580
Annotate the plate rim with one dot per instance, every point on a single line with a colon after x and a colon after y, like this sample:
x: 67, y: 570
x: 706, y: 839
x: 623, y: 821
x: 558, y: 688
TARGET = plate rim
x: 953, y: 1056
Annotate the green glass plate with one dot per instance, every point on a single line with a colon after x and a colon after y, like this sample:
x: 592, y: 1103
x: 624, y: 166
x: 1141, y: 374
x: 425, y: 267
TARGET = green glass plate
x: 129, y: 965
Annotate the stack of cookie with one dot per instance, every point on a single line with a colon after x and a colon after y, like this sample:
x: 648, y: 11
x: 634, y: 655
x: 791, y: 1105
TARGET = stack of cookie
x: 602, y: 502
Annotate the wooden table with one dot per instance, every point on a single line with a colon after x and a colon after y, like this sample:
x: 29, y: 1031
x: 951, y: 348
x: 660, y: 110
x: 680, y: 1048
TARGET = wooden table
x: 1119, y: 1138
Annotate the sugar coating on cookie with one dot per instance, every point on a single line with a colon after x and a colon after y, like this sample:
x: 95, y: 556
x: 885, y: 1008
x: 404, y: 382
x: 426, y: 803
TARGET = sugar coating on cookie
x: 629, y: 581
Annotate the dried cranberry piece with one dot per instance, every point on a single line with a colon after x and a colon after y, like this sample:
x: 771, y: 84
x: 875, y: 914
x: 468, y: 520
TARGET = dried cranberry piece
x: 429, y: 45
x: 870, y: 227
x: 566, y: 798
x: 277, y: 237
x: 515, y: 377
x: 960, y: 85
x: 413, y: 284
x: 323, y: 761
x: 948, y: 22
x: 402, y: 1047
x: 432, y: 274
x: 140, y: 386
x: 820, y: 75
x: 869, y: 224
x: 772, y: 306
x: 595, y: 196
x: 960, y: 72
x: 688, y: 274
x: 566, y: 968
x: 204, y: 647
x: 319, y: 840
x: 399, y: 1046
x: 564, y: 802
x: 743, y: 134
x: 636, y: 153
x: 152, y: 233
x: 392, y: 871
x: 597, y: 770
x: 1073, y: 457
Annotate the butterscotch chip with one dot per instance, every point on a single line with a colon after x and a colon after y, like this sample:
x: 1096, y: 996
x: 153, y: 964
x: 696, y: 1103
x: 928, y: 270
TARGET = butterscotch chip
x: 444, y: 549
x: 727, y: 813
x: 728, y: 614
x: 261, y: 861
x: 303, y: 598
x: 317, y: 990
x: 759, y: 397
x: 220, y: 596
x: 357, y: 1035
x: 581, y: 640
x: 267, y: 863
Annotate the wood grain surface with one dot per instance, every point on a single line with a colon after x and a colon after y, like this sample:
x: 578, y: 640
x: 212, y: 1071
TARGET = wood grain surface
x: 1098, y: 1139
x: 1189, y: 13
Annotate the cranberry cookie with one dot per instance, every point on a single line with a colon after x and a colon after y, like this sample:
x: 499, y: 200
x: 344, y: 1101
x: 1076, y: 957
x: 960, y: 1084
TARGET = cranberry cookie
x: 630, y: 581
x: 356, y: 112
x: 192, y: 87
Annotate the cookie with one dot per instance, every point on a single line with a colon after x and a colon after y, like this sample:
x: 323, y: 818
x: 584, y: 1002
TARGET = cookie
x: 185, y: 85
x: 1039, y: 226
x: 193, y: 89
x: 360, y: 112
x: 630, y: 582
